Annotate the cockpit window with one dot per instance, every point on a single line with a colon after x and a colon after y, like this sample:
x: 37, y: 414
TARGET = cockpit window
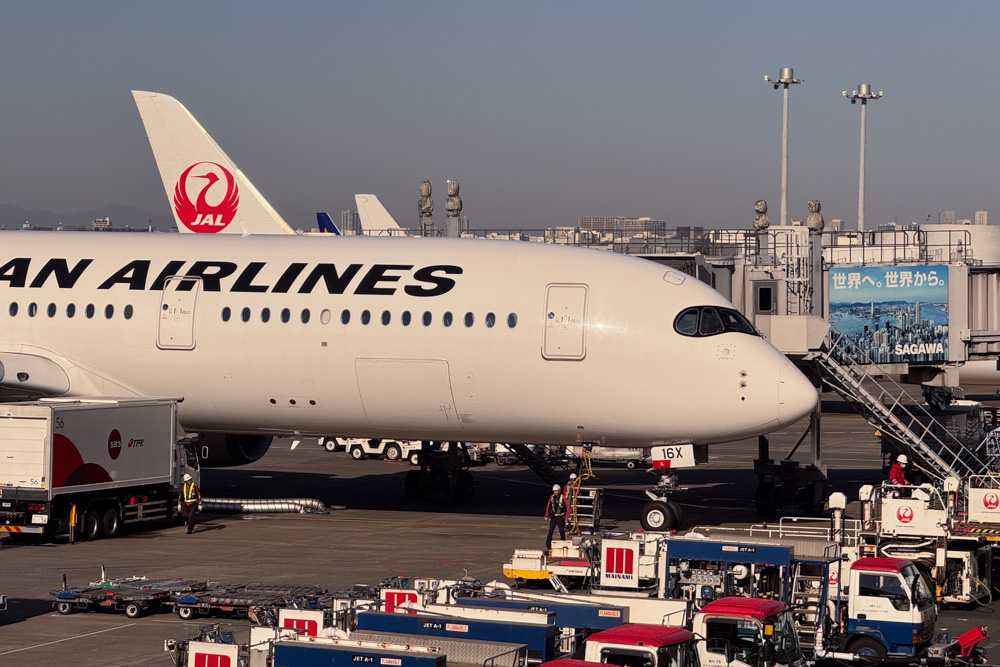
x: 711, y: 323
x: 710, y: 320
x: 687, y: 322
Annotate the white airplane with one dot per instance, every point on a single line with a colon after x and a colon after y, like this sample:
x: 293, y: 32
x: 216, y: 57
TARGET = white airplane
x: 203, y: 183
x: 428, y: 339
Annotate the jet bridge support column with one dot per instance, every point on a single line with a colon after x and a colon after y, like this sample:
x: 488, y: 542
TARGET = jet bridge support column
x: 789, y: 482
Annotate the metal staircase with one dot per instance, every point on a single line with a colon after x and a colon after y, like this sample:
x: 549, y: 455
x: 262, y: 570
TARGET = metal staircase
x: 537, y: 463
x: 808, y: 600
x: 938, y: 457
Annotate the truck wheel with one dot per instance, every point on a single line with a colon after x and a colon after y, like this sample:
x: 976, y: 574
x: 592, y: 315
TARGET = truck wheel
x: 465, y: 486
x: 393, y: 452
x: 90, y: 529
x: 657, y: 515
x: 413, y: 485
x: 133, y: 610
x: 186, y: 613
x: 329, y: 444
x: 64, y: 608
x: 111, y: 524
x: 415, y: 459
x: 866, y: 647
x: 357, y: 453
x: 631, y: 464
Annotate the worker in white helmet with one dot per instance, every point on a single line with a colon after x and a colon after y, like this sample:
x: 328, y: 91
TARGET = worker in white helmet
x: 897, y: 473
x: 189, y: 501
x: 555, y: 512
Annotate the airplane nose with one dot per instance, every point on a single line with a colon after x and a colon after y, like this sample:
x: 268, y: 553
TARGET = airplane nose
x: 796, y: 395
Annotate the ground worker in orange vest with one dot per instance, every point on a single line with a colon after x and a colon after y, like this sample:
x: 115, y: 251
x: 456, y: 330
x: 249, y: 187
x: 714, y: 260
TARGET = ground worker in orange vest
x: 190, y: 501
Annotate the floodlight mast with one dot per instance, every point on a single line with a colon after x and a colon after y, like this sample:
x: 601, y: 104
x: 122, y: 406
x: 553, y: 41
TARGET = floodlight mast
x: 785, y: 78
x: 863, y: 93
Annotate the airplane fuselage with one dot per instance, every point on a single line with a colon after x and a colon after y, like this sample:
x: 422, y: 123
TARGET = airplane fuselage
x: 418, y: 338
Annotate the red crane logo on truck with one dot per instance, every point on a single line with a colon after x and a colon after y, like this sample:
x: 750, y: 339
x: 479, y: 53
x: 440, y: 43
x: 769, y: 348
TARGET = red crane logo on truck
x: 991, y: 501
x: 114, y: 444
x: 905, y: 514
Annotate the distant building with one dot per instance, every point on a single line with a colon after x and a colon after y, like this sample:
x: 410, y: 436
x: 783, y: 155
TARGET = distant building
x: 946, y: 217
x: 980, y: 218
x: 350, y: 222
x: 690, y: 232
x: 623, y: 225
x: 964, y: 221
x: 101, y: 225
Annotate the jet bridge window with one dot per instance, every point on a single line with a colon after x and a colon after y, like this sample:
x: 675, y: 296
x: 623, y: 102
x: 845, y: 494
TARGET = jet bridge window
x: 13, y: 309
x: 709, y: 321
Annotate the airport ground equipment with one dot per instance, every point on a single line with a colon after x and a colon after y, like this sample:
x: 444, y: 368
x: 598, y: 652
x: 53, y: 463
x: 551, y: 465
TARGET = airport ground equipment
x: 104, y: 463
x: 256, y: 601
x: 133, y: 596
x: 361, y: 448
x: 444, y: 470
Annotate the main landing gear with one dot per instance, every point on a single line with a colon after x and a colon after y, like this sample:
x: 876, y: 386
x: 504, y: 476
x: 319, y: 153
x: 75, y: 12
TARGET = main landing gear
x: 442, y: 469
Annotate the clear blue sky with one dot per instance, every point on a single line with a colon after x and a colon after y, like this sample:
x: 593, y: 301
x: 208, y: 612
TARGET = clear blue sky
x: 544, y: 111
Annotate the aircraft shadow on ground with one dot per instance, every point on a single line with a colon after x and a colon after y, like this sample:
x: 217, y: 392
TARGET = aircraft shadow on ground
x: 512, y: 490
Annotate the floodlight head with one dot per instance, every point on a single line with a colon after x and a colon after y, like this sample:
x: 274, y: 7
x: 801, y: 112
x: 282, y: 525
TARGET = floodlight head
x: 767, y: 78
x: 844, y: 93
x: 880, y: 93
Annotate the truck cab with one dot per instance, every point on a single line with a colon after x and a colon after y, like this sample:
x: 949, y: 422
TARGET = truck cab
x: 641, y: 645
x: 747, y: 632
x: 890, y: 608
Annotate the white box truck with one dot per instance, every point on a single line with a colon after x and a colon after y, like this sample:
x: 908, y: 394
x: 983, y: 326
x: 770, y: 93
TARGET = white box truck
x: 107, y: 462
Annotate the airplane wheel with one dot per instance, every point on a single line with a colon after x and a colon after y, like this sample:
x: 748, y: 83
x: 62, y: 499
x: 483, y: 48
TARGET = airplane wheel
x: 393, y: 453
x: 329, y: 444
x: 866, y: 647
x: 357, y: 453
x: 658, y: 516
x: 465, y: 486
x: 764, y: 500
x: 413, y: 485
x: 91, y: 527
x: 678, y: 513
x: 111, y: 523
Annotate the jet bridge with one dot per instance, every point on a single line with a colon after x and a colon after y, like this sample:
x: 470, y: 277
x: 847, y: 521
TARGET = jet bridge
x: 809, y: 293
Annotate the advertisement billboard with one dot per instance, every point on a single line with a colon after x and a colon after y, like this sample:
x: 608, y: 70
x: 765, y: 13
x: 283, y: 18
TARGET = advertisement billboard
x: 892, y: 313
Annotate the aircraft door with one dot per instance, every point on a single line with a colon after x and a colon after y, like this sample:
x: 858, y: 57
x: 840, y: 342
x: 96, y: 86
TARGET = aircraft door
x: 175, y: 329
x: 565, y: 334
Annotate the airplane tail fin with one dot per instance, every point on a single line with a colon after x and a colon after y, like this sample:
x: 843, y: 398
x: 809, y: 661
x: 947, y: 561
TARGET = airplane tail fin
x: 326, y: 224
x: 375, y: 219
x: 207, y: 192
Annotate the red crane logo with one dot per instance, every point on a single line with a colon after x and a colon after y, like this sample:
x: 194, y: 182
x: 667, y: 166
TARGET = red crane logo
x: 904, y: 514
x: 201, y: 216
x: 991, y: 501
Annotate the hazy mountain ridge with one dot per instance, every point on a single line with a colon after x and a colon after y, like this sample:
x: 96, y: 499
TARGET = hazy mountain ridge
x: 12, y: 217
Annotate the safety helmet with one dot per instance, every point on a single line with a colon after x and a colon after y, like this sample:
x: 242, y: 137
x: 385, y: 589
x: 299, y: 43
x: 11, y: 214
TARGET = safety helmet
x: 572, y: 476
x: 187, y: 477
x: 555, y: 487
x: 902, y: 459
